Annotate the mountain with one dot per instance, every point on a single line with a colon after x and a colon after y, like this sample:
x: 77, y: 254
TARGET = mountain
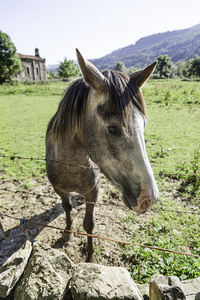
x: 52, y: 68
x: 178, y: 44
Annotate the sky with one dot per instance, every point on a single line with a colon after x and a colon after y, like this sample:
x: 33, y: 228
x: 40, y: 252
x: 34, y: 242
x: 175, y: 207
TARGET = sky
x: 95, y: 27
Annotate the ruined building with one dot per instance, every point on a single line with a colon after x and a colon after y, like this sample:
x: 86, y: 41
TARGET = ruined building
x: 33, y: 67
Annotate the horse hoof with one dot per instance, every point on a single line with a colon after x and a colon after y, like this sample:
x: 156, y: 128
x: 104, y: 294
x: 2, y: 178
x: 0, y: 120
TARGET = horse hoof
x: 67, y: 236
x: 91, y: 259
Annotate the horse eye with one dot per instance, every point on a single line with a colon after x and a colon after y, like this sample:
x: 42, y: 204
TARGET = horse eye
x: 114, y: 130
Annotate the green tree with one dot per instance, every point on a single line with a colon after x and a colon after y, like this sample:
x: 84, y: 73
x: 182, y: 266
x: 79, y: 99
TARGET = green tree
x: 120, y: 67
x: 173, y: 71
x: 181, y: 69
x: 131, y: 70
x: 164, y: 66
x: 67, y: 69
x: 9, y: 61
x: 52, y: 75
x: 194, y: 67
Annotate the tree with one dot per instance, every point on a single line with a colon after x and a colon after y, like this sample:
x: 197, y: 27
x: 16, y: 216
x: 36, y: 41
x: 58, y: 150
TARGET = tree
x: 194, y: 68
x: 67, y: 69
x: 120, y: 67
x: 9, y: 61
x: 164, y: 66
x: 173, y: 71
x: 51, y: 75
x: 182, y: 67
x: 131, y: 70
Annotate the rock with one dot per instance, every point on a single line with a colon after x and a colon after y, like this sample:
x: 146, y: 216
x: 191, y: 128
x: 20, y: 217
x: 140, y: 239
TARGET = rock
x: 14, y: 254
x: 192, y: 288
x: 46, y: 276
x: 144, y: 290
x: 166, y: 288
x: 92, y: 281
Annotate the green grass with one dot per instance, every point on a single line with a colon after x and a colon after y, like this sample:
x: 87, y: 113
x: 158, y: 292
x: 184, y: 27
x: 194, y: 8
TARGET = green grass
x: 33, y: 88
x: 24, y: 118
x: 168, y: 92
x: 167, y: 230
x: 173, y: 147
x: 172, y: 133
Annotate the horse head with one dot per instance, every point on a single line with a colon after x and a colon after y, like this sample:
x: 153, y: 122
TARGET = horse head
x: 113, y: 132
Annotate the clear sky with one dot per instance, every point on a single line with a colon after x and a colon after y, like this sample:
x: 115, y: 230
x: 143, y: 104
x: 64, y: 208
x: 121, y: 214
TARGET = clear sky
x: 95, y: 27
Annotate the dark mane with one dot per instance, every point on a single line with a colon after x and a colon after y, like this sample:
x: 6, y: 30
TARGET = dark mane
x: 71, y: 110
x: 123, y: 92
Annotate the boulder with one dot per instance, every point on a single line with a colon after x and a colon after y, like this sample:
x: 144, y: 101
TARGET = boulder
x: 15, y: 251
x: 46, y: 276
x: 166, y: 288
x: 92, y: 281
x: 144, y: 290
x: 192, y: 288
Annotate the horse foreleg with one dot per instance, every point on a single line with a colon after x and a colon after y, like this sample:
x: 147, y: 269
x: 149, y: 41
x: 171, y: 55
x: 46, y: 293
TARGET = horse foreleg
x: 67, y: 236
x: 88, y: 225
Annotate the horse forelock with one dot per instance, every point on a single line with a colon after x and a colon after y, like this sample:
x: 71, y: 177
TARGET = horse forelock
x: 123, y: 92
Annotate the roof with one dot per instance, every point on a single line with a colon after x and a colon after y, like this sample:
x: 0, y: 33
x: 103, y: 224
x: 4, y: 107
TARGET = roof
x: 30, y: 57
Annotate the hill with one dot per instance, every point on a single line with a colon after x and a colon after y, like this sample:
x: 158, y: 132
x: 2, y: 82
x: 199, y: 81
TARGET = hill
x: 53, y: 68
x: 178, y: 44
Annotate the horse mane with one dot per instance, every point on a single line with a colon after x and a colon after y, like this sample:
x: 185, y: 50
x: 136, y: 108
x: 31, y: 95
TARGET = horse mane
x: 71, y: 110
x: 122, y: 93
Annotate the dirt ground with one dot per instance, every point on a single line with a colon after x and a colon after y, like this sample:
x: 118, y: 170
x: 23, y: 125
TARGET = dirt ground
x: 41, y: 204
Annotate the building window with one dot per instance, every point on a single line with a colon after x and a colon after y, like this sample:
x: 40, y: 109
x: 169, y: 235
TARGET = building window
x: 37, y: 71
x: 27, y: 70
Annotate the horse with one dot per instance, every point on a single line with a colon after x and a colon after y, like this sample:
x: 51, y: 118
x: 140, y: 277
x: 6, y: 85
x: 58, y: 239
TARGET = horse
x: 99, y: 128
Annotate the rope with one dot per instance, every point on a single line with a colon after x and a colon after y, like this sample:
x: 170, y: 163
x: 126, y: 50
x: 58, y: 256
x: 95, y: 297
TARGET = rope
x: 104, y: 238
x: 13, y: 157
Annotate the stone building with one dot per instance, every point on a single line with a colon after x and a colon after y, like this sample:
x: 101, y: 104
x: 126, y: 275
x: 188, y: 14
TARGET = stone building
x: 33, y: 67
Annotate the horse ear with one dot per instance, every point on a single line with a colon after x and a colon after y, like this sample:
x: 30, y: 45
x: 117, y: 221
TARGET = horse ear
x: 92, y: 76
x: 140, y: 77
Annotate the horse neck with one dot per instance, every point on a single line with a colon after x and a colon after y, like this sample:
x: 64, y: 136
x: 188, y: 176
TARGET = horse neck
x: 72, y: 149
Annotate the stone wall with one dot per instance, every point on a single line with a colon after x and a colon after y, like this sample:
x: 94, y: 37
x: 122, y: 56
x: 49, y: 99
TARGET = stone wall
x: 32, y: 70
x: 36, y: 271
x: 33, y: 67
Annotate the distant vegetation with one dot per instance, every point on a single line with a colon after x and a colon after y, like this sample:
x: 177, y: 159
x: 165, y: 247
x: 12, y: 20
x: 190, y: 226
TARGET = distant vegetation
x: 166, y: 69
x: 67, y: 69
x: 177, y: 53
x: 179, y: 45
x: 9, y: 61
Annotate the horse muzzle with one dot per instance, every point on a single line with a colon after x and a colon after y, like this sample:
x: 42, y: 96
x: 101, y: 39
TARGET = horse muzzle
x: 143, y: 203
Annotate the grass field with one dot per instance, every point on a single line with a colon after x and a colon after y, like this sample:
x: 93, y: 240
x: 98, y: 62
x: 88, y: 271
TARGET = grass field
x: 173, y: 146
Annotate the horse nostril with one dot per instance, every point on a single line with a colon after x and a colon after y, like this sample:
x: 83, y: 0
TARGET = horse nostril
x: 144, y: 205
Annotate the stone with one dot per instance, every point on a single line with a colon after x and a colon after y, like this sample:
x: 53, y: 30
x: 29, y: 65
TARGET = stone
x: 144, y: 290
x: 47, y: 275
x: 192, y: 288
x: 15, y: 251
x: 92, y: 281
x: 166, y: 288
